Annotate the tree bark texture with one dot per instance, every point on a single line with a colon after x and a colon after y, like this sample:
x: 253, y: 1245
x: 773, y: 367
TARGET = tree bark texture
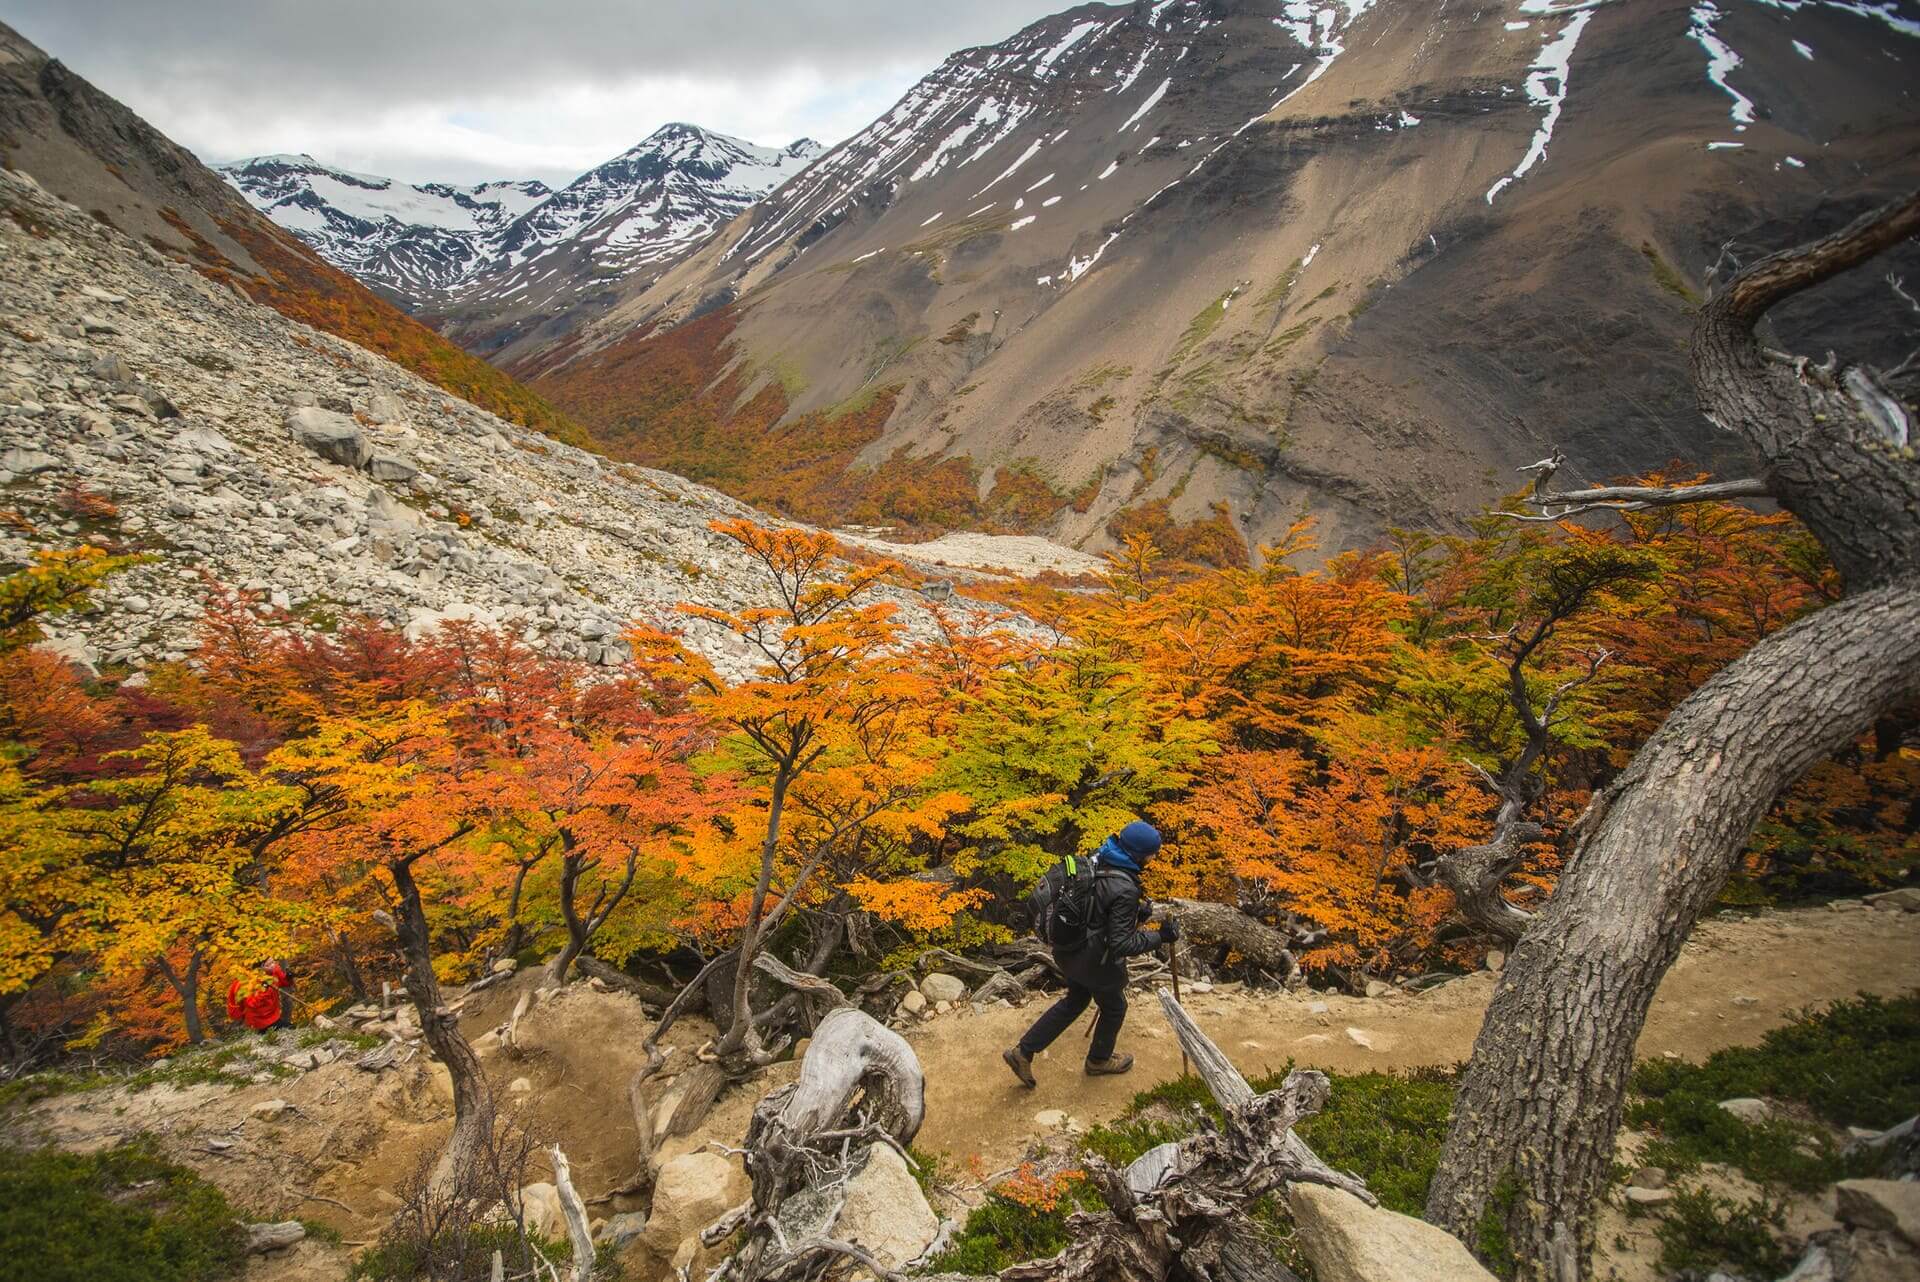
x: 1542, y: 1098
x: 472, y: 1101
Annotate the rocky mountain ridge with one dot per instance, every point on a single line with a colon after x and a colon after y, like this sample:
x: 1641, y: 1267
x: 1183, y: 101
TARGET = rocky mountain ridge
x: 145, y: 407
x: 493, y: 258
x: 1229, y: 261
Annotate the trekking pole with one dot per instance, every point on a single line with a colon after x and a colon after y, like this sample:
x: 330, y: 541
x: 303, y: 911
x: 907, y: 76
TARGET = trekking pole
x: 1173, y: 968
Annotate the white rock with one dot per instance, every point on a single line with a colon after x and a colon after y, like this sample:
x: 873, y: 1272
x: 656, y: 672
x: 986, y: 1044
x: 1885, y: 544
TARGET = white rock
x: 269, y: 1110
x: 914, y: 1002
x: 541, y: 1209
x: 1361, y: 1038
x: 941, y: 987
x: 1349, y: 1241
x: 1751, y: 1111
x: 1648, y: 1197
x: 27, y: 462
x: 885, y: 1211
x: 262, y: 1238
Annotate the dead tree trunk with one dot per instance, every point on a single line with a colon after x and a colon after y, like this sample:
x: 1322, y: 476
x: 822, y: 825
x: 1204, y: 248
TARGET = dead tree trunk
x: 1541, y: 1099
x: 1212, y: 926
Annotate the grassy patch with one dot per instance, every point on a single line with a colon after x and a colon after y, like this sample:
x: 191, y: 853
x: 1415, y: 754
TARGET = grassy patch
x: 22, y: 1091
x: 1387, y: 1129
x: 123, y: 1215
x: 1668, y: 277
x: 1200, y: 327
x: 1856, y: 1063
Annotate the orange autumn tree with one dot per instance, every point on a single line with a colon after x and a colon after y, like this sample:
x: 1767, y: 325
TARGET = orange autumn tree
x: 827, y: 710
x: 610, y: 798
x: 405, y: 797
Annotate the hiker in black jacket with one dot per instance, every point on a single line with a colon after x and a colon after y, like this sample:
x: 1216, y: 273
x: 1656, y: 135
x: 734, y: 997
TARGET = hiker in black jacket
x: 1097, y: 971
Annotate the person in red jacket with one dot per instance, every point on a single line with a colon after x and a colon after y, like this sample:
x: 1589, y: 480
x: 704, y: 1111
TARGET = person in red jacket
x: 264, y: 1008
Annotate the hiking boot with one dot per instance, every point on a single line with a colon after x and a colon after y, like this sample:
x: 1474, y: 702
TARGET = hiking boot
x: 1109, y: 1067
x: 1021, y: 1065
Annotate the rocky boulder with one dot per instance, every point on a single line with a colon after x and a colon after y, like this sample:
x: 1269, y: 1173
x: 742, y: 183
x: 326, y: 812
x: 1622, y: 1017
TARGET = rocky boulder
x: 1892, y: 1205
x: 689, y: 1193
x: 1751, y: 1111
x: 1349, y: 1241
x: 886, y: 1212
x: 332, y: 436
x: 391, y: 467
x: 261, y: 1238
x: 941, y: 987
x: 541, y: 1211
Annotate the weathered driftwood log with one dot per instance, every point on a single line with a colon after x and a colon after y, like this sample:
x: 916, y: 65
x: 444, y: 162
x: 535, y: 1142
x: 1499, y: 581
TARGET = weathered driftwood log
x: 859, y: 1085
x: 575, y: 1211
x: 1009, y: 984
x: 1183, y: 1205
x: 1214, y: 925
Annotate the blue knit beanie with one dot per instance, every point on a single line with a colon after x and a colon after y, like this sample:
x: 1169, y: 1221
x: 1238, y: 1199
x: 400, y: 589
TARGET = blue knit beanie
x: 1139, y: 839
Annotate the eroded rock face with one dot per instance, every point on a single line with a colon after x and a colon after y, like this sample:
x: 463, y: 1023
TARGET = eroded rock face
x: 1349, y: 1241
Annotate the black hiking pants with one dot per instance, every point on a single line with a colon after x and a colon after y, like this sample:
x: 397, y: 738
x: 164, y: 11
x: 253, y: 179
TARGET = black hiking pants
x: 1060, y: 1016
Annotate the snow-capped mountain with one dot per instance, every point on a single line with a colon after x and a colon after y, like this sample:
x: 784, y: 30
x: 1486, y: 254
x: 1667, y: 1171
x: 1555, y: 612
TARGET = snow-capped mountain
x: 408, y: 241
x: 1353, y: 256
x: 644, y: 206
x: 504, y: 246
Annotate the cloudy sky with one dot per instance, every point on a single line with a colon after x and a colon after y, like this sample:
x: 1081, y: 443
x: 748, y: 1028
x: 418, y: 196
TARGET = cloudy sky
x: 461, y: 90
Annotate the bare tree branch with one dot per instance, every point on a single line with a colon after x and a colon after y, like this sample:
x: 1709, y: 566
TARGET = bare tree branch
x: 1635, y: 498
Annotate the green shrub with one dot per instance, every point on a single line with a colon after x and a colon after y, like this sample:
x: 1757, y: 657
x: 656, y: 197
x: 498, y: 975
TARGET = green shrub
x: 1856, y: 1063
x: 1702, y: 1233
x: 1001, y: 1231
x: 126, y: 1214
x: 1387, y: 1129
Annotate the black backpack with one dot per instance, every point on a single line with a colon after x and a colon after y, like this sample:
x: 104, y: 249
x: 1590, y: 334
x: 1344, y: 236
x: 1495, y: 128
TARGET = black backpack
x: 1062, y: 904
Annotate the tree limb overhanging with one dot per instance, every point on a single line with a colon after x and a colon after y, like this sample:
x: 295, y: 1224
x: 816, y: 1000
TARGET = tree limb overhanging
x: 1541, y: 1101
x: 1633, y: 498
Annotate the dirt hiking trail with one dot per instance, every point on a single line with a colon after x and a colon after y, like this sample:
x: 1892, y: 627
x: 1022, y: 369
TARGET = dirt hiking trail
x: 1736, y: 978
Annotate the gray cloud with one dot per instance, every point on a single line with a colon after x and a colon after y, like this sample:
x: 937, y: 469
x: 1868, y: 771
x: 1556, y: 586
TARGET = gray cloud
x: 466, y: 89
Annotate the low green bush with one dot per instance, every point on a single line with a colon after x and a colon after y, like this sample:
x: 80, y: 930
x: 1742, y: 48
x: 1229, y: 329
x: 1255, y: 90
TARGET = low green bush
x: 1001, y: 1231
x: 124, y: 1214
x: 1702, y: 1233
x: 1857, y: 1063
